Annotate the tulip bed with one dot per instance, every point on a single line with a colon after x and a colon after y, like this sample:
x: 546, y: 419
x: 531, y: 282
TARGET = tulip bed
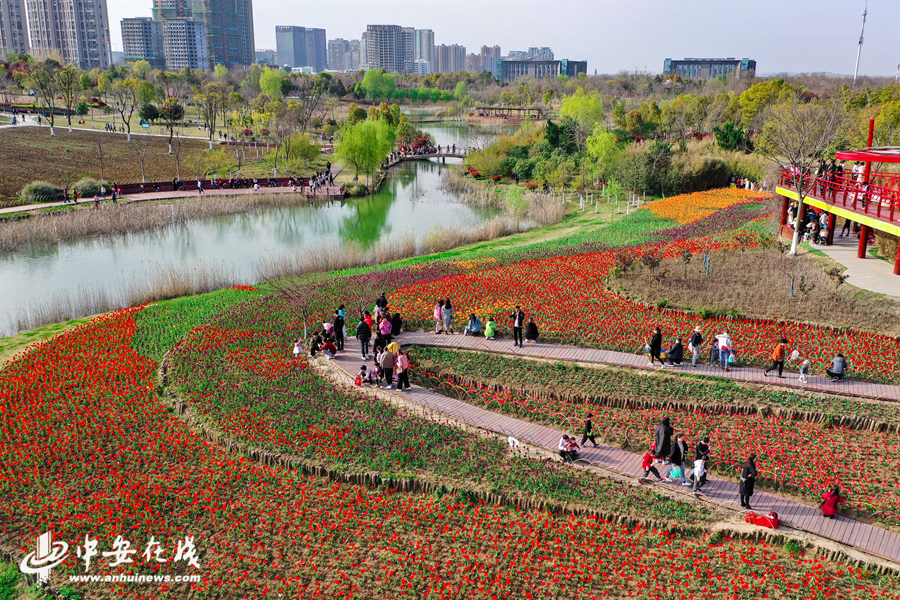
x: 688, y: 208
x: 239, y: 378
x: 798, y: 457
x: 90, y: 449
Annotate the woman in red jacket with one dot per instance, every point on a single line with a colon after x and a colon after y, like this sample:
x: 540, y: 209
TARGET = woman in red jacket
x: 830, y: 501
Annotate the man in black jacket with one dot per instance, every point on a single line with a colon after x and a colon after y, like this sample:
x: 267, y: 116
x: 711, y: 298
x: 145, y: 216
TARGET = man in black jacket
x: 363, y: 334
x: 655, y: 346
x: 694, y: 343
x: 518, y: 319
x: 339, y: 330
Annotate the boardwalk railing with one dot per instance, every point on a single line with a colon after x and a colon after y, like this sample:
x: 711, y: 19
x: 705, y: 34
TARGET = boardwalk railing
x: 879, y: 201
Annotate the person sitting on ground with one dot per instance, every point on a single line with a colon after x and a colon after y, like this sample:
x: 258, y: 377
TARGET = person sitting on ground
x: 315, y: 345
x: 838, y: 367
x: 490, y: 330
x: 675, y: 354
x: 363, y: 376
x: 396, y: 324
x: 830, y: 501
x: 531, y: 331
x: 647, y: 463
x: 564, y: 449
x: 473, y: 327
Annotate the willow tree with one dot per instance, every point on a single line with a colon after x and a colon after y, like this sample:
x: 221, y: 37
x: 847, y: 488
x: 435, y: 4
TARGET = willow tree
x: 365, y: 145
x: 582, y: 111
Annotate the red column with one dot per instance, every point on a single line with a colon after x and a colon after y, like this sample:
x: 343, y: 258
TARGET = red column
x: 784, y: 210
x: 897, y: 262
x: 863, y: 241
x: 832, y: 222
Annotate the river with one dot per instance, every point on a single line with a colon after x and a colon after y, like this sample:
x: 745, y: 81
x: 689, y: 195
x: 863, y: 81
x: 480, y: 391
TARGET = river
x: 411, y: 201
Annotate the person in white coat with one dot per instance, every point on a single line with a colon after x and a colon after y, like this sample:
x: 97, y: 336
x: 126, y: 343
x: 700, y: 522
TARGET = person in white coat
x: 726, y: 349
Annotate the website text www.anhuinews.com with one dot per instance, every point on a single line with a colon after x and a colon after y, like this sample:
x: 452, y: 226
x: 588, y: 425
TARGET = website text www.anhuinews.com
x: 135, y: 578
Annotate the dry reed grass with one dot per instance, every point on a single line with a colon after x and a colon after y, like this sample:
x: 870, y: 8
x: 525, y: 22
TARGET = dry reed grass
x: 534, y: 206
x: 757, y: 283
x: 119, y: 219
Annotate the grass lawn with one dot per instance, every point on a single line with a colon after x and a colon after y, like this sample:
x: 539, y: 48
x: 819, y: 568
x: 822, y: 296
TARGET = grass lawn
x: 11, y: 345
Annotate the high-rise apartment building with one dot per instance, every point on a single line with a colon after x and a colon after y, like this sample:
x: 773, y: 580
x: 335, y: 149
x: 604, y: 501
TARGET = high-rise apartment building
x: 407, y: 49
x: 298, y: 47
x: 266, y: 57
x: 449, y: 59
x: 363, y: 52
x: 337, y: 48
x: 542, y: 53
x: 142, y: 39
x: 473, y: 62
x: 171, y: 9
x: 13, y: 26
x: 353, y: 57
x: 75, y: 30
x: 490, y: 60
x: 228, y: 24
x: 385, y: 47
x: 424, y: 48
x: 186, y: 45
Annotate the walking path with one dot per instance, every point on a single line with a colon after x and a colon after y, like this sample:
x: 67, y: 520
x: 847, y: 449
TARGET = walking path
x: 868, y: 538
x: 623, y: 359
x: 871, y: 274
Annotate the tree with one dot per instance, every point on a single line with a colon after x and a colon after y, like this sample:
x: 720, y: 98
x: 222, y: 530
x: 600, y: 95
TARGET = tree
x: 378, y: 84
x: 68, y: 82
x: 148, y: 112
x: 210, y: 100
x: 461, y: 92
x: 310, y: 91
x: 364, y: 145
x: 794, y: 136
x: 355, y: 114
x: 732, y: 137
x: 141, y: 69
x: 100, y: 141
x: 583, y: 111
x: 270, y: 82
x: 171, y: 114
x: 141, y: 145
x: 406, y: 133
x: 43, y: 80
x: 124, y: 101
x: 606, y: 152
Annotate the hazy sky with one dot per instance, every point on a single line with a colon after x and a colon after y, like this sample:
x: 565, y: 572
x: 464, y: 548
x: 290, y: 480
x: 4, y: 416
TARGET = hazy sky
x: 612, y: 35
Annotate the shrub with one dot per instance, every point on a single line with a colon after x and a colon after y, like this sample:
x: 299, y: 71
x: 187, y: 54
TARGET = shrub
x: 88, y: 187
x: 887, y: 245
x: 698, y: 173
x: 496, y: 178
x: 41, y: 191
x: 531, y: 186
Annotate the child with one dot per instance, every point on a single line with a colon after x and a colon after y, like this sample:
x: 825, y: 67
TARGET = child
x: 379, y: 375
x: 699, y: 474
x: 804, y: 370
x: 647, y: 465
x: 298, y: 348
x: 490, y: 330
x: 364, y: 375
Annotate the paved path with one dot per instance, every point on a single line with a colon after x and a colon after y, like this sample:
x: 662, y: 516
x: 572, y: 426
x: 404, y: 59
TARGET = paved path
x: 871, y: 273
x: 868, y: 538
x: 623, y: 359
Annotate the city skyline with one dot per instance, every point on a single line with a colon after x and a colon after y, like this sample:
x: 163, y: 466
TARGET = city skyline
x: 613, y: 35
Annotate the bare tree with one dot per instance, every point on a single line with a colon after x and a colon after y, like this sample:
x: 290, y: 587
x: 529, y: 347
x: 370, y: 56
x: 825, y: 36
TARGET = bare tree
x: 100, y: 141
x: 125, y: 100
x: 68, y: 82
x: 43, y: 79
x: 795, y: 135
x: 141, y: 144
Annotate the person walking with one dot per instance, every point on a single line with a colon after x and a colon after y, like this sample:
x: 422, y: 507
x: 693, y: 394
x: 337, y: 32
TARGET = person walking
x: 748, y: 480
x: 401, y: 364
x: 363, y: 334
x: 838, y: 368
x: 588, y: 431
x: 678, y: 457
x: 701, y: 450
x: 726, y: 347
x: 695, y: 342
x: 438, y: 315
x: 338, y: 323
x: 447, y: 317
x: 518, y: 319
x: 654, y: 347
x: 662, y: 438
x: 778, y: 356
x: 647, y: 464
x: 387, y: 365
x: 830, y: 501
x: 199, y: 187
x: 804, y: 370
x: 699, y: 474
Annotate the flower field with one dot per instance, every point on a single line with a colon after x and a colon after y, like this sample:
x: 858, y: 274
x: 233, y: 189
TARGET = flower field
x: 688, y: 208
x: 90, y: 450
x: 570, y: 303
x: 799, y: 457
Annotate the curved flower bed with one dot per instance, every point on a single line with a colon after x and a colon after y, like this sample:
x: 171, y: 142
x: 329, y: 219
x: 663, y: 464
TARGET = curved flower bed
x: 688, y: 208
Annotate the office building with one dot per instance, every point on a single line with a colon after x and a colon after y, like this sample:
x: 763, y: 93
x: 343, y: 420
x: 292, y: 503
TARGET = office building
x: 449, y: 59
x: 542, y: 53
x: 13, y: 26
x: 186, y: 45
x: 266, y: 57
x: 301, y: 47
x: 490, y: 60
x: 75, y: 30
x: 707, y: 68
x: 229, y: 30
x: 363, y: 52
x: 142, y: 39
x: 385, y: 48
x: 424, y: 49
x: 510, y: 70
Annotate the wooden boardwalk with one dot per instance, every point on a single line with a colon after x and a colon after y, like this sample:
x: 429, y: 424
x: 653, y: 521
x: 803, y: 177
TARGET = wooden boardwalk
x: 755, y: 375
x: 867, y: 538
